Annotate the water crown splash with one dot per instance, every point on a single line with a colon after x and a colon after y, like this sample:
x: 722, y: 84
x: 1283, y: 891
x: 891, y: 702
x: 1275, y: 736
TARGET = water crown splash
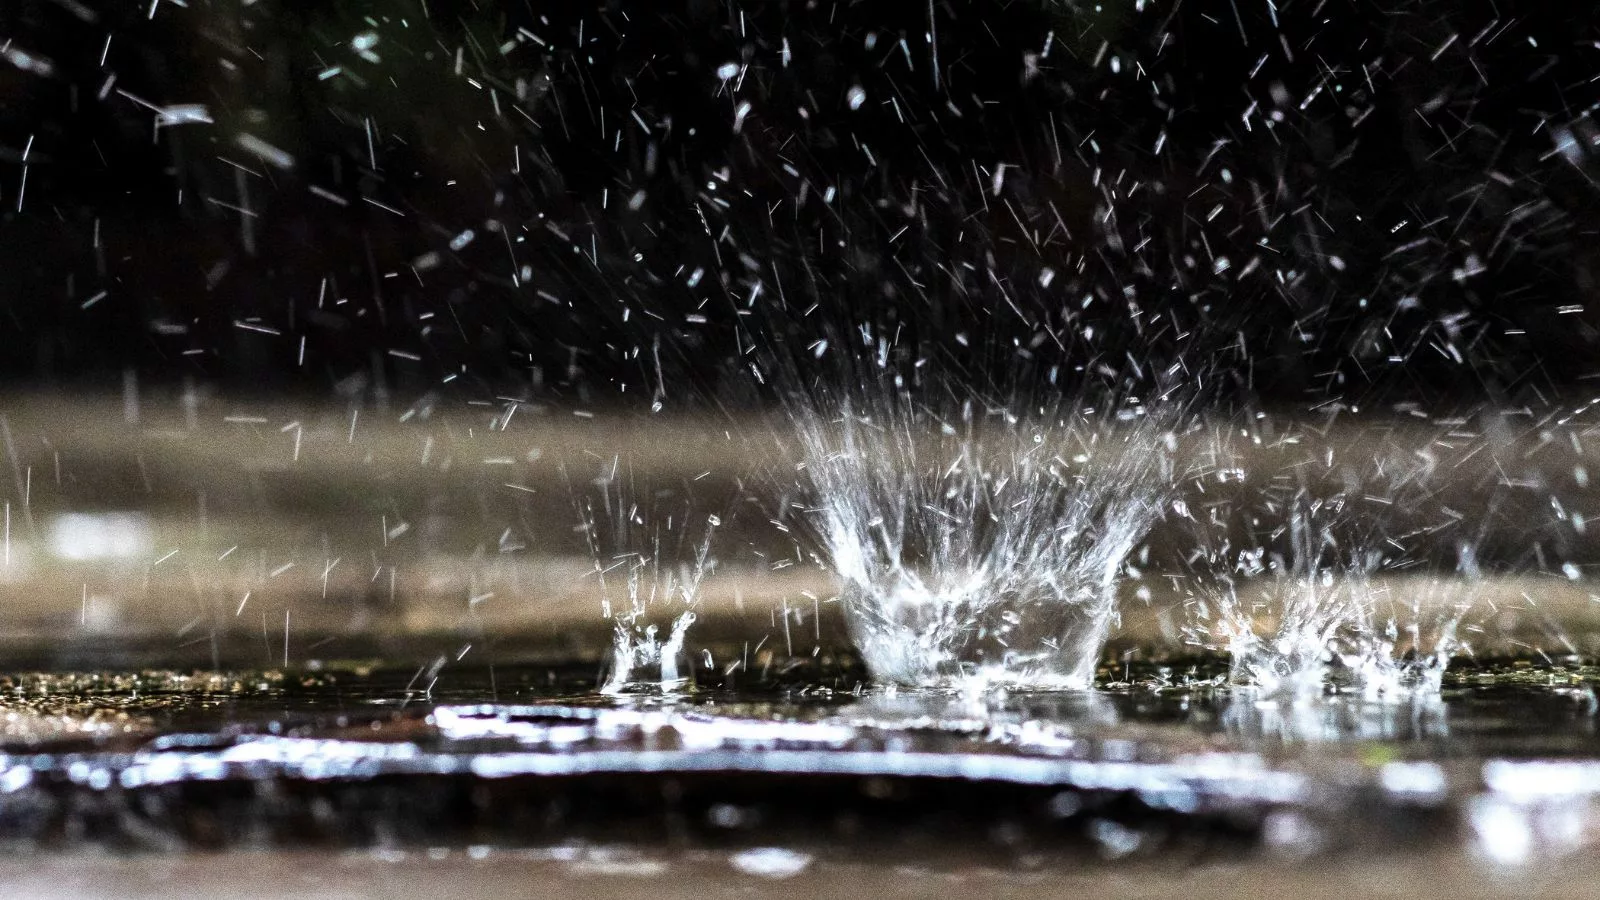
x: 982, y: 549
x: 1342, y: 609
x: 653, y: 581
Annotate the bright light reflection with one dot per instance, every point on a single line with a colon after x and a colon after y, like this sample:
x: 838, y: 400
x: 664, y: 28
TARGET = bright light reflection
x: 110, y: 535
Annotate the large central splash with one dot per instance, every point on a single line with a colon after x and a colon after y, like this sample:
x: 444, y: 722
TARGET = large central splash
x: 984, y: 547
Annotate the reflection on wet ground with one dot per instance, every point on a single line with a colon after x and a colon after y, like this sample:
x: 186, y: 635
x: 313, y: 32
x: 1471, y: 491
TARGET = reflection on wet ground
x: 1160, y: 760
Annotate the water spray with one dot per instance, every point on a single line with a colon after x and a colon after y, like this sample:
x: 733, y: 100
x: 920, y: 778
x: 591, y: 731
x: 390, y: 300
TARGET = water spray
x: 981, y: 548
x: 654, y: 580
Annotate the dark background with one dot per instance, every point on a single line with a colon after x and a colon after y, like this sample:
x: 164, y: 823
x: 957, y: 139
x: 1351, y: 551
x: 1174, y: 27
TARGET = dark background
x: 1312, y: 201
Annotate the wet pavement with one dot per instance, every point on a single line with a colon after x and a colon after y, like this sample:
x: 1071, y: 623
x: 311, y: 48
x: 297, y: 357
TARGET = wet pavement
x: 1162, y: 765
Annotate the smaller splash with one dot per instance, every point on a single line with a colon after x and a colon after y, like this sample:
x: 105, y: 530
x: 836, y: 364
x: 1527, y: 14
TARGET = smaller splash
x: 1291, y: 660
x: 1342, y: 626
x: 1410, y: 632
x: 644, y: 555
x: 1323, y: 577
x: 1286, y: 642
x: 643, y: 663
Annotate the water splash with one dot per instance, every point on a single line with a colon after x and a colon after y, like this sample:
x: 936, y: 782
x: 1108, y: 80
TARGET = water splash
x: 1337, y: 618
x: 655, y: 582
x: 642, y: 661
x: 1405, y: 643
x: 982, y: 548
x: 1292, y: 660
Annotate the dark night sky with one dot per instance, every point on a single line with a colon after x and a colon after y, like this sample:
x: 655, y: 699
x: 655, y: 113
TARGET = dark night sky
x: 1317, y: 200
